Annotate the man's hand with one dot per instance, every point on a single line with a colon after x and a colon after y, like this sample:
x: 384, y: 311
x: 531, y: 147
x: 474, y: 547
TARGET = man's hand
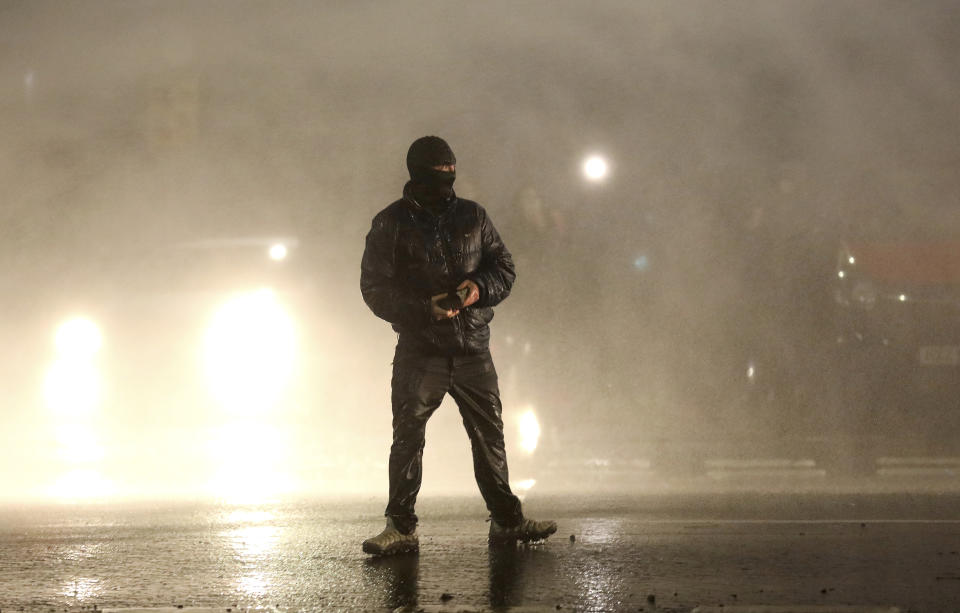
x: 473, y: 295
x: 441, y: 313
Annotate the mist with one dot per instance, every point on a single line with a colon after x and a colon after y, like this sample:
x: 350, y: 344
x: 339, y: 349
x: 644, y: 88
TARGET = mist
x: 669, y: 321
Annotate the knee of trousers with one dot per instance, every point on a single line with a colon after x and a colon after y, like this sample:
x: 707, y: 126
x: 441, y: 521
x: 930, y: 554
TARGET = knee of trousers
x: 409, y: 434
x: 409, y: 439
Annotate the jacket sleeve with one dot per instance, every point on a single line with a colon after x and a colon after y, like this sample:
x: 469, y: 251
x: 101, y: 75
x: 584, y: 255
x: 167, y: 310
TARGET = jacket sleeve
x: 382, y: 290
x: 496, y: 273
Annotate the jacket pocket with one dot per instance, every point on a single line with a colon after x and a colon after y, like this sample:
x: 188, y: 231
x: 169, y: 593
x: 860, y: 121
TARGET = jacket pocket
x: 477, y: 318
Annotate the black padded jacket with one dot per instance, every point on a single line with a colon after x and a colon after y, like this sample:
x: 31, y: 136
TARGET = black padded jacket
x: 412, y: 254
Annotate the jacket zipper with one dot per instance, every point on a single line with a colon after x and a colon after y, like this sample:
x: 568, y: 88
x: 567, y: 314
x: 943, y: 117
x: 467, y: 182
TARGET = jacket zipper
x: 445, y: 249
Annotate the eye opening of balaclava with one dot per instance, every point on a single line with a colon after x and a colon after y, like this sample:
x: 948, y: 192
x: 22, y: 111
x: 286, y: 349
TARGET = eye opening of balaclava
x: 425, y: 153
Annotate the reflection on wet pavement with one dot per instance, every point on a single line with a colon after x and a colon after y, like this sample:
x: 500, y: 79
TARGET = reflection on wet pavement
x: 515, y: 573
x: 683, y: 553
x: 395, y: 577
x: 253, y: 544
x: 81, y: 589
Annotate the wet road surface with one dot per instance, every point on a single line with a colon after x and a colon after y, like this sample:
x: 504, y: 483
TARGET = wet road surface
x: 666, y: 553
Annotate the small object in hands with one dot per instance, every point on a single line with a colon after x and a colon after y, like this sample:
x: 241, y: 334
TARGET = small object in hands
x: 454, y: 299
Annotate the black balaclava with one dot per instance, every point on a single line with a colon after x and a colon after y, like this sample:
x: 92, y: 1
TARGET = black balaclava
x: 432, y: 188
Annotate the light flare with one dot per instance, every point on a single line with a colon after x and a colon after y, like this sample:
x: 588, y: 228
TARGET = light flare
x: 78, y: 443
x: 251, y: 460
x: 250, y: 353
x: 529, y: 429
x: 78, y: 338
x: 595, y: 168
x: 246, y: 516
x: 81, y: 485
x: 278, y: 252
x: 522, y: 487
x: 72, y: 387
x: 72, y: 384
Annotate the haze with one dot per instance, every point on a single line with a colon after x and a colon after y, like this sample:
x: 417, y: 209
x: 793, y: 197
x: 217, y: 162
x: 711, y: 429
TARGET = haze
x: 672, y: 312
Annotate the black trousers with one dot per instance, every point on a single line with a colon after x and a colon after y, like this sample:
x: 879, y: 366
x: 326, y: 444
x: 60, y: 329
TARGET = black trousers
x: 419, y: 384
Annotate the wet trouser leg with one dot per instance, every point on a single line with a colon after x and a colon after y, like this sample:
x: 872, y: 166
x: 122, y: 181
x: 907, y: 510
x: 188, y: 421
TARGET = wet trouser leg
x: 418, y: 387
x: 476, y: 392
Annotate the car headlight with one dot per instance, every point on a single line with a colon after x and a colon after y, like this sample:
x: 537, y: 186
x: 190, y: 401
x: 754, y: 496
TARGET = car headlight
x: 72, y: 383
x: 529, y: 429
x: 78, y: 338
x: 250, y: 352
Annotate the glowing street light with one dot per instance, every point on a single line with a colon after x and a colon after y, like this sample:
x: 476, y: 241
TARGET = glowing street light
x: 595, y: 168
x: 278, y: 252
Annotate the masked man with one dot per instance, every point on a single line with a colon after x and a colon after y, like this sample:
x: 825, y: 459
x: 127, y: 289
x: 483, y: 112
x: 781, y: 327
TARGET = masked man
x: 434, y: 267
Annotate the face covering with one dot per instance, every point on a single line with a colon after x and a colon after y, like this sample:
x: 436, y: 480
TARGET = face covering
x: 433, y: 187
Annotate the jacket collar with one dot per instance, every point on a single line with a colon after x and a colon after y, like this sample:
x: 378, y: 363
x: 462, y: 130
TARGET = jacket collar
x: 416, y: 206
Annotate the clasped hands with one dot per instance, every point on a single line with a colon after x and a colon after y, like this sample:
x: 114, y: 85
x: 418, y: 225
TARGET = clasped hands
x: 472, y: 296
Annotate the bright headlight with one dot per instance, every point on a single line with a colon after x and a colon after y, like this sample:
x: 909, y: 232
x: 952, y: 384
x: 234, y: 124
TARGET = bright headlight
x: 250, y: 350
x: 529, y: 431
x: 78, y: 338
x: 72, y: 384
x: 72, y: 387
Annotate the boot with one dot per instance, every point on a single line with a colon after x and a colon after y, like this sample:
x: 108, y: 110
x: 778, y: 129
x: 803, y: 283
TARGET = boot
x: 391, y: 541
x: 526, y: 531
